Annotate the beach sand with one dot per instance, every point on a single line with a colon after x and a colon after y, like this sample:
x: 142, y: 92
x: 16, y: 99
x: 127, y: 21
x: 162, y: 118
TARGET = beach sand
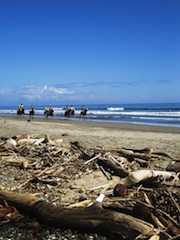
x: 90, y: 135
x: 94, y: 134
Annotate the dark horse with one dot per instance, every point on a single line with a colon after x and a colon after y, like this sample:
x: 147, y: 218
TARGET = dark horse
x: 69, y: 113
x: 48, y: 112
x: 83, y: 112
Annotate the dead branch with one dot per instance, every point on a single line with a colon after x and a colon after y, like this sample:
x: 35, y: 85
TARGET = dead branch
x: 93, y: 218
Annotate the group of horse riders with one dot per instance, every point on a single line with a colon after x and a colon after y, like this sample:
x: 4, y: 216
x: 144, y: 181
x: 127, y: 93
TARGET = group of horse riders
x: 69, y: 111
x: 21, y: 110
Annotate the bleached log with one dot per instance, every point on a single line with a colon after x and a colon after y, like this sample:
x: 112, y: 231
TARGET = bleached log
x: 10, y: 143
x: 56, y: 142
x: 32, y: 141
x: 94, y: 218
x: 141, y: 175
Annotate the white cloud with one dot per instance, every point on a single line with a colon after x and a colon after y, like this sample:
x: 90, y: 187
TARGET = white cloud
x: 45, y: 92
x: 36, y: 92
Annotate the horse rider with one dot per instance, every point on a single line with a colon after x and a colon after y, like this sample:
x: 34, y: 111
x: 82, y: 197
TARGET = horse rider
x: 51, y: 110
x: 21, y: 107
x: 83, y: 109
x: 67, y: 108
x: 31, y: 110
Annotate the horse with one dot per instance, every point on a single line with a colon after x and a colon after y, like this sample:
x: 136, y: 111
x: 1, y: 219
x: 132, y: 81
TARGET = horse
x: 69, y: 113
x: 48, y: 112
x: 83, y: 112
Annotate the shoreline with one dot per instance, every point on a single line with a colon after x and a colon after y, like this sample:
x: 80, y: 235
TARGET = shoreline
x: 110, y: 125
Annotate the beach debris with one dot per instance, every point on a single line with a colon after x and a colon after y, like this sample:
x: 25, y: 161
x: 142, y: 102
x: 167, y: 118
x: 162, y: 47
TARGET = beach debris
x: 134, y: 192
x: 145, y: 174
x: 94, y: 217
x: 10, y: 143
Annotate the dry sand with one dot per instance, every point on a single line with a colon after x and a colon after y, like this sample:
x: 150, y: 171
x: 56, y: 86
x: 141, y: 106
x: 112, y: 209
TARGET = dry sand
x: 93, y: 134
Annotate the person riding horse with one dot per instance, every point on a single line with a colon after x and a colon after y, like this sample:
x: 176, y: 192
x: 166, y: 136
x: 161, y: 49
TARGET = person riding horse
x: 69, y: 112
x: 31, y: 111
x: 49, y: 112
x: 20, y: 110
x: 84, y: 111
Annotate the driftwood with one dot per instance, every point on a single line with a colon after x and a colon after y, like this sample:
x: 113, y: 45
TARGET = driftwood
x: 94, y: 218
x: 112, y: 167
x: 141, y: 175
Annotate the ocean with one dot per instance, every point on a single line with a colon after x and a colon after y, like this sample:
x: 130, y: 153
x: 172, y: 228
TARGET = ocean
x: 160, y: 114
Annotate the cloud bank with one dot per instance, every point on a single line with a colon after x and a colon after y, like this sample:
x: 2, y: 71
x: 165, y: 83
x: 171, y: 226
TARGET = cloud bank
x: 77, y: 92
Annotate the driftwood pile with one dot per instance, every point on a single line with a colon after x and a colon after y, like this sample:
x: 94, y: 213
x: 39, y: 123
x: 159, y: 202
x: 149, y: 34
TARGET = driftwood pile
x: 139, y: 197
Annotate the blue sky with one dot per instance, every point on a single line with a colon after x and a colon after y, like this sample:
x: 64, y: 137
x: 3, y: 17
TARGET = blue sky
x: 89, y: 51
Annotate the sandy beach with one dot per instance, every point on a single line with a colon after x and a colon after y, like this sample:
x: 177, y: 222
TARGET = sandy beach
x: 90, y: 135
x: 93, y: 134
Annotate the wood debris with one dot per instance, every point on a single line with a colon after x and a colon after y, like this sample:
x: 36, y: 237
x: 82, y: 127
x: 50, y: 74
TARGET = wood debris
x: 134, y: 192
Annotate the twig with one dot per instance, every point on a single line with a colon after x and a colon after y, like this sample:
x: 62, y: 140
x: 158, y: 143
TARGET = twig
x: 176, y: 177
x: 24, y: 183
x: 92, y: 159
x: 109, y: 177
x: 46, y: 169
x: 116, y: 161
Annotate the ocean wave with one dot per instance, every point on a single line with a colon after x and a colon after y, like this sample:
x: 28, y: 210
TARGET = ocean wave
x: 143, y: 113
x: 157, y: 114
x: 115, y: 108
x: 168, y: 109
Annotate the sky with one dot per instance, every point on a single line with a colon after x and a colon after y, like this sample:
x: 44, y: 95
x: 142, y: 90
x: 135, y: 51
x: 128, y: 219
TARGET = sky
x: 89, y: 51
